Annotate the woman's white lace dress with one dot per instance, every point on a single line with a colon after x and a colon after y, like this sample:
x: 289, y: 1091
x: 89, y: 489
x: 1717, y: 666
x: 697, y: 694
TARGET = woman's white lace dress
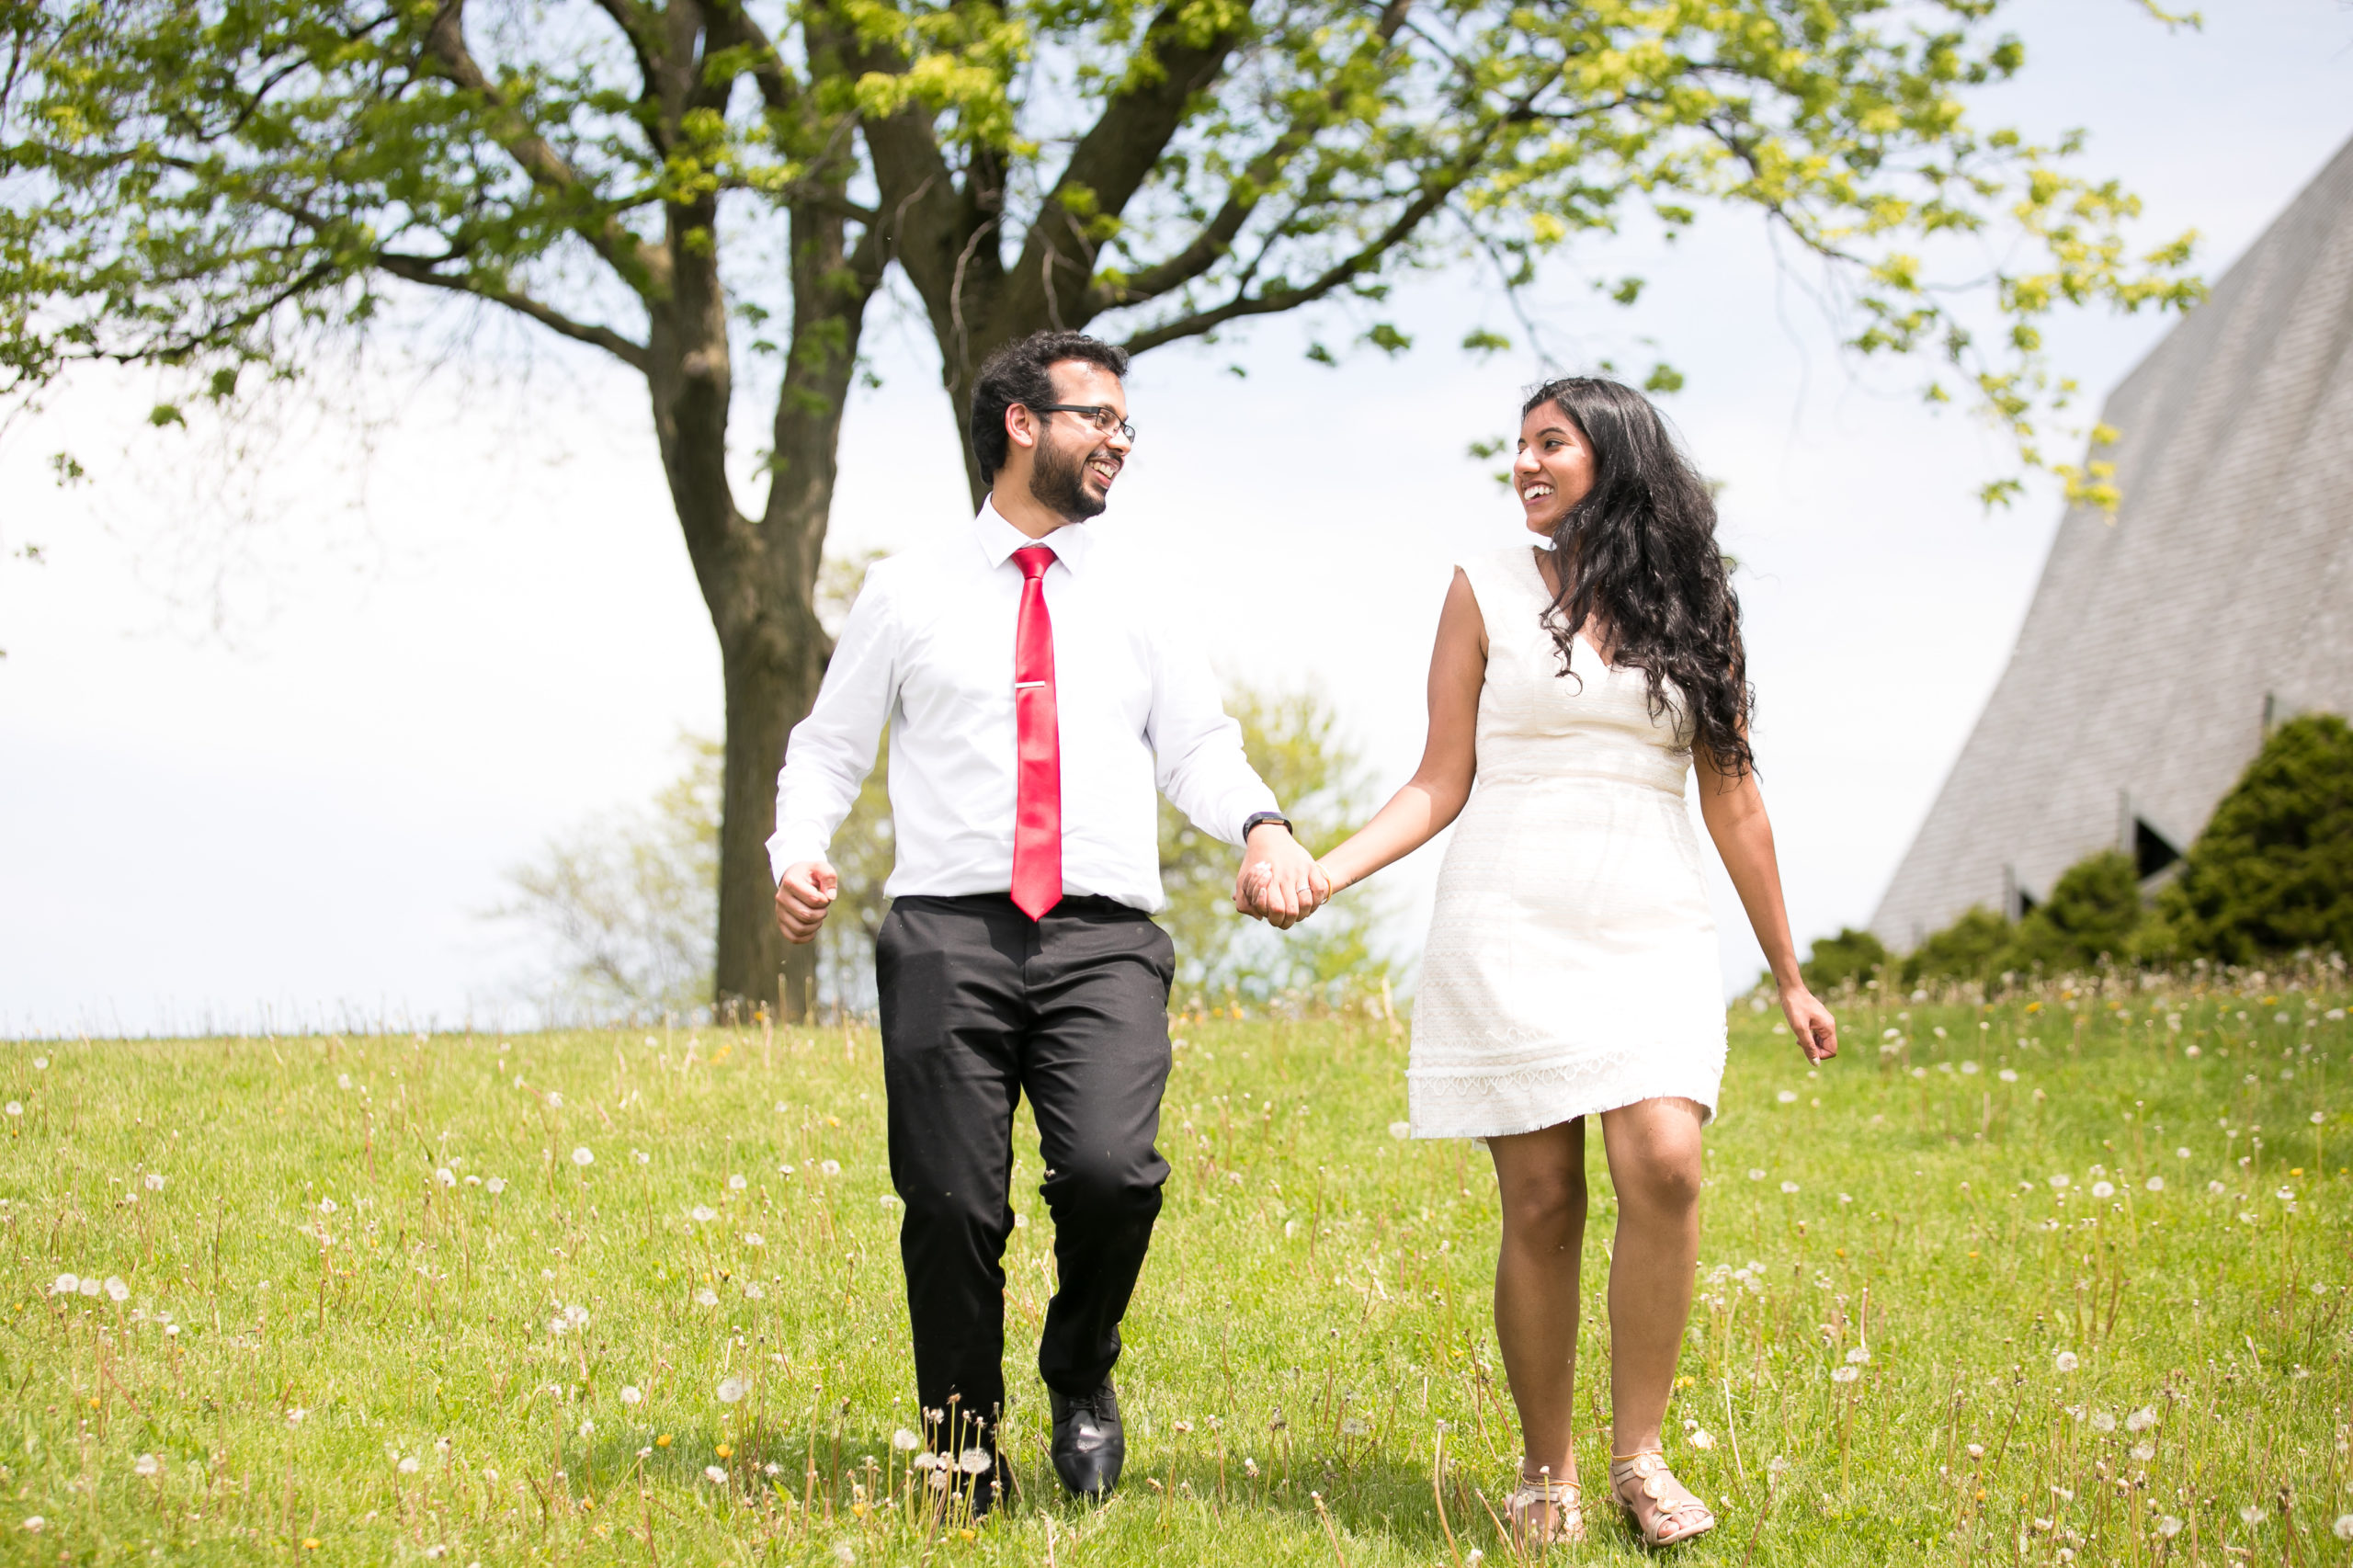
x: 1572, y: 959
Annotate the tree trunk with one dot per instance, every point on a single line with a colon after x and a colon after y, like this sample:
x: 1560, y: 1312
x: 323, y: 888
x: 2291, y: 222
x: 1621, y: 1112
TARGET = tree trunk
x: 770, y: 685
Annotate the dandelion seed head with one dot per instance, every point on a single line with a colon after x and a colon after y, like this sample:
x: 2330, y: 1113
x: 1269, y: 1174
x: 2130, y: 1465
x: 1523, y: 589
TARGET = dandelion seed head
x: 2216, y: 1188
x: 973, y: 1461
x: 754, y: 1290
x: 343, y: 1080
x: 715, y: 1475
x: 495, y: 1185
x: 154, y: 1181
x: 2156, y: 1184
x: 326, y: 1205
x: 2143, y: 1452
x: 632, y: 1394
x: 1699, y: 1437
x: 2102, y: 1421
x: 1755, y: 1175
x: 2103, y: 1189
x: 1787, y: 1097
x: 829, y: 1167
x: 906, y: 1442
x: 2059, y: 1180
x: 707, y: 1297
x: 116, y: 1291
x: 1976, y: 1450
x: 445, y: 1176
x: 2007, y: 1074
x: 147, y: 1464
x: 555, y: 1100
x: 1969, y: 1067
x: 408, y: 1464
x: 754, y: 1239
x: 67, y: 1285
x: 2251, y: 1516
x: 1859, y: 1355
x: 1844, y: 1374
x: 40, y: 1064
x: 2168, y: 1527
x: 2066, y: 1361
x: 583, y: 1158
x: 2343, y: 1528
x: 1401, y: 1130
x: 1789, y: 1187
x: 91, y: 1285
x: 15, y: 1108
x: 2141, y: 1419
x: 702, y: 1214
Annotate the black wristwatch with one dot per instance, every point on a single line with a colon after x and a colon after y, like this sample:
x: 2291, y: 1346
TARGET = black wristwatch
x: 1260, y: 819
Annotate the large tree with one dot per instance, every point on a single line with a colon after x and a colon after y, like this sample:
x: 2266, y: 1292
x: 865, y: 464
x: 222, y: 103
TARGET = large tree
x: 692, y: 185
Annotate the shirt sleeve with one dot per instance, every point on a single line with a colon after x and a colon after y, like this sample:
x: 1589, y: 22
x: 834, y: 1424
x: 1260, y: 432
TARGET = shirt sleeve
x: 831, y: 752
x: 1199, y: 748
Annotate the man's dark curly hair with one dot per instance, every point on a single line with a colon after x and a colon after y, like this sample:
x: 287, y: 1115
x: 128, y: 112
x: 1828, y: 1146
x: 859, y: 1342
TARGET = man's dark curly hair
x: 1017, y: 373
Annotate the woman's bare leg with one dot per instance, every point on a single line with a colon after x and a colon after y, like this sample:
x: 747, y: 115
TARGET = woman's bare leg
x: 1653, y: 1151
x: 1541, y: 1176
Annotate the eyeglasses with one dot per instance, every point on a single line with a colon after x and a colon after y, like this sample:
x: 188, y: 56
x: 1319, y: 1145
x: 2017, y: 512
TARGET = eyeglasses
x: 1105, y: 420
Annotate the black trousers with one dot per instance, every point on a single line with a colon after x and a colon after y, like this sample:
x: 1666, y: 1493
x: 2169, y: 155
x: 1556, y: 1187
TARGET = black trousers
x: 980, y: 1005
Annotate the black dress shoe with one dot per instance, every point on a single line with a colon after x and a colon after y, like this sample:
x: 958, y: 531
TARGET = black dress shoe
x: 1089, y: 1443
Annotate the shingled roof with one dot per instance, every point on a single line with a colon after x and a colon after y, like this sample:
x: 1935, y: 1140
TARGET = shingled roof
x: 2161, y: 644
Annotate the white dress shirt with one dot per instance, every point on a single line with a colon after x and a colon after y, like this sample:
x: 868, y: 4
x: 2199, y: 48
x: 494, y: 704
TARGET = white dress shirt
x: 928, y: 648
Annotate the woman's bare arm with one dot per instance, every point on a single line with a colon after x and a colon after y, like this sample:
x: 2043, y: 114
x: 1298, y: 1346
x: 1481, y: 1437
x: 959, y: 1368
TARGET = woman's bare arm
x: 1434, y: 796
x: 1734, y: 812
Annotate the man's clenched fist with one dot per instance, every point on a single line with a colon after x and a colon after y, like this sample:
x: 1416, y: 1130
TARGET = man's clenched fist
x: 802, y: 895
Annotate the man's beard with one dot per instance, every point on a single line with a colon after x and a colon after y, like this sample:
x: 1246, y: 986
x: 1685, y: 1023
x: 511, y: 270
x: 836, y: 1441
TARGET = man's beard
x: 1058, y: 483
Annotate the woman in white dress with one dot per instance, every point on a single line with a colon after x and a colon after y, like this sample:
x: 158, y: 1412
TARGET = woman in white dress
x: 1572, y: 966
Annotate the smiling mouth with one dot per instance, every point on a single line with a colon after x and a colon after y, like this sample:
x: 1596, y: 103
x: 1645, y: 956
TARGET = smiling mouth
x: 1536, y: 492
x: 1103, y: 467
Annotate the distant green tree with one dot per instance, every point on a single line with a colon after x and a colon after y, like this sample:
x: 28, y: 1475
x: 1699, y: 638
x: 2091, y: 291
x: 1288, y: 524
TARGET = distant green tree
x: 624, y: 900
x: 1291, y: 738
x: 1969, y: 949
x: 1850, y: 955
x: 2273, y: 872
x: 2094, y: 911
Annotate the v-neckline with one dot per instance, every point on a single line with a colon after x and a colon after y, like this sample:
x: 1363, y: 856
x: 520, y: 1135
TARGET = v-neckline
x: 1536, y: 565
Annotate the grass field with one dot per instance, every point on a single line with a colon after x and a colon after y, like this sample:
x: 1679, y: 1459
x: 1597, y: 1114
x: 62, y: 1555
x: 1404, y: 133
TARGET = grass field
x: 632, y: 1297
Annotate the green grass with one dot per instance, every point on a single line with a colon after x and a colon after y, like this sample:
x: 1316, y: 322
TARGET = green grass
x: 1315, y: 1311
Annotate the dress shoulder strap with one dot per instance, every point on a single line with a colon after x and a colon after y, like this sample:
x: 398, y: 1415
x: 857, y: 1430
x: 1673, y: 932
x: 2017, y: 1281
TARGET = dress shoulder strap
x: 1510, y: 592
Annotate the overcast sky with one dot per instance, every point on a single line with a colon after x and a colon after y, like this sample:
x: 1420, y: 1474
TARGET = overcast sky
x: 268, y: 757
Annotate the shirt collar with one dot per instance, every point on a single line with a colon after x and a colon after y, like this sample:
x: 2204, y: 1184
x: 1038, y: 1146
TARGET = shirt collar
x: 999, y: 538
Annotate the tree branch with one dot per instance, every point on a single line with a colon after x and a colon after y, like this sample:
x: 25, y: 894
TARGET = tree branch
x: 445, y: 41
x: 420, y: 269
x: 1217, y: 237
x: 1115, y: 157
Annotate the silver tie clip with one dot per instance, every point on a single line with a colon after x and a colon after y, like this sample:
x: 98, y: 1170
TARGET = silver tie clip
x: 1021, y: 684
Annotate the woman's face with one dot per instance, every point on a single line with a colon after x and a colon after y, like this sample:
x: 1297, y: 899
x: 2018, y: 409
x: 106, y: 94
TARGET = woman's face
x: 1553, y: 469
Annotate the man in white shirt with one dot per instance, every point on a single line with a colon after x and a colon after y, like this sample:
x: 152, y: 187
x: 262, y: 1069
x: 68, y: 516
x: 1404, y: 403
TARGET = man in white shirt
x: 1035, y: 696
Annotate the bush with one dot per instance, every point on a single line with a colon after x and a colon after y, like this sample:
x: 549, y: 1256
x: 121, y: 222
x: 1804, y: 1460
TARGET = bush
x: 2273, y: 872
x: 1970, y: 949
x: 2093, y: 911
x: 1850, y: 955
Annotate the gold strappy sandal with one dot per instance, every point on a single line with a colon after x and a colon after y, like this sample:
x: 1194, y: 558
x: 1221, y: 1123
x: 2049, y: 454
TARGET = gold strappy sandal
x: 1545, y: 1512
x: 1648, y: 1490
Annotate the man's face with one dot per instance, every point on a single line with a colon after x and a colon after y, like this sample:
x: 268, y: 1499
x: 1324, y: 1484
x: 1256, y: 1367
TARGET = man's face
x: 1077, y: 459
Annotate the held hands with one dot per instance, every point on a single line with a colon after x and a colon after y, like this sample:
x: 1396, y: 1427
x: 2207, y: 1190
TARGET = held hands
x: 1280, y: 882
x: 1816, y: 1031
x: 803, y: 894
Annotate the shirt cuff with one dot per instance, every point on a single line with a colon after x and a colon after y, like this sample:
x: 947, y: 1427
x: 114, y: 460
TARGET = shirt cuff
x: 791, y: 843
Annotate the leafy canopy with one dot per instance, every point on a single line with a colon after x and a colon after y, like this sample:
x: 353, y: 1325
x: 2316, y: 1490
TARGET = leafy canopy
x: 205, y: 185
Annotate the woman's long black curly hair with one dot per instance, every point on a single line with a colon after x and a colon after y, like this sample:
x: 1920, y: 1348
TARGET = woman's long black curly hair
x: 1638, y: 555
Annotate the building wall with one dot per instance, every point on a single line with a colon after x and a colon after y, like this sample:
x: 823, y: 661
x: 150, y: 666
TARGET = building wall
x: 2221, y: 592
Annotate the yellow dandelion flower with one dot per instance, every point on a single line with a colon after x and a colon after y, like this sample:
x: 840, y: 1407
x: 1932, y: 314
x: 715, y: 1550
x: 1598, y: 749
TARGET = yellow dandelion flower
x: 663, y: 1441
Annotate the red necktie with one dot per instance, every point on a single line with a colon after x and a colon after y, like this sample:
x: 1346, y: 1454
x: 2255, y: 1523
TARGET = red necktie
x: 1037, y: 789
